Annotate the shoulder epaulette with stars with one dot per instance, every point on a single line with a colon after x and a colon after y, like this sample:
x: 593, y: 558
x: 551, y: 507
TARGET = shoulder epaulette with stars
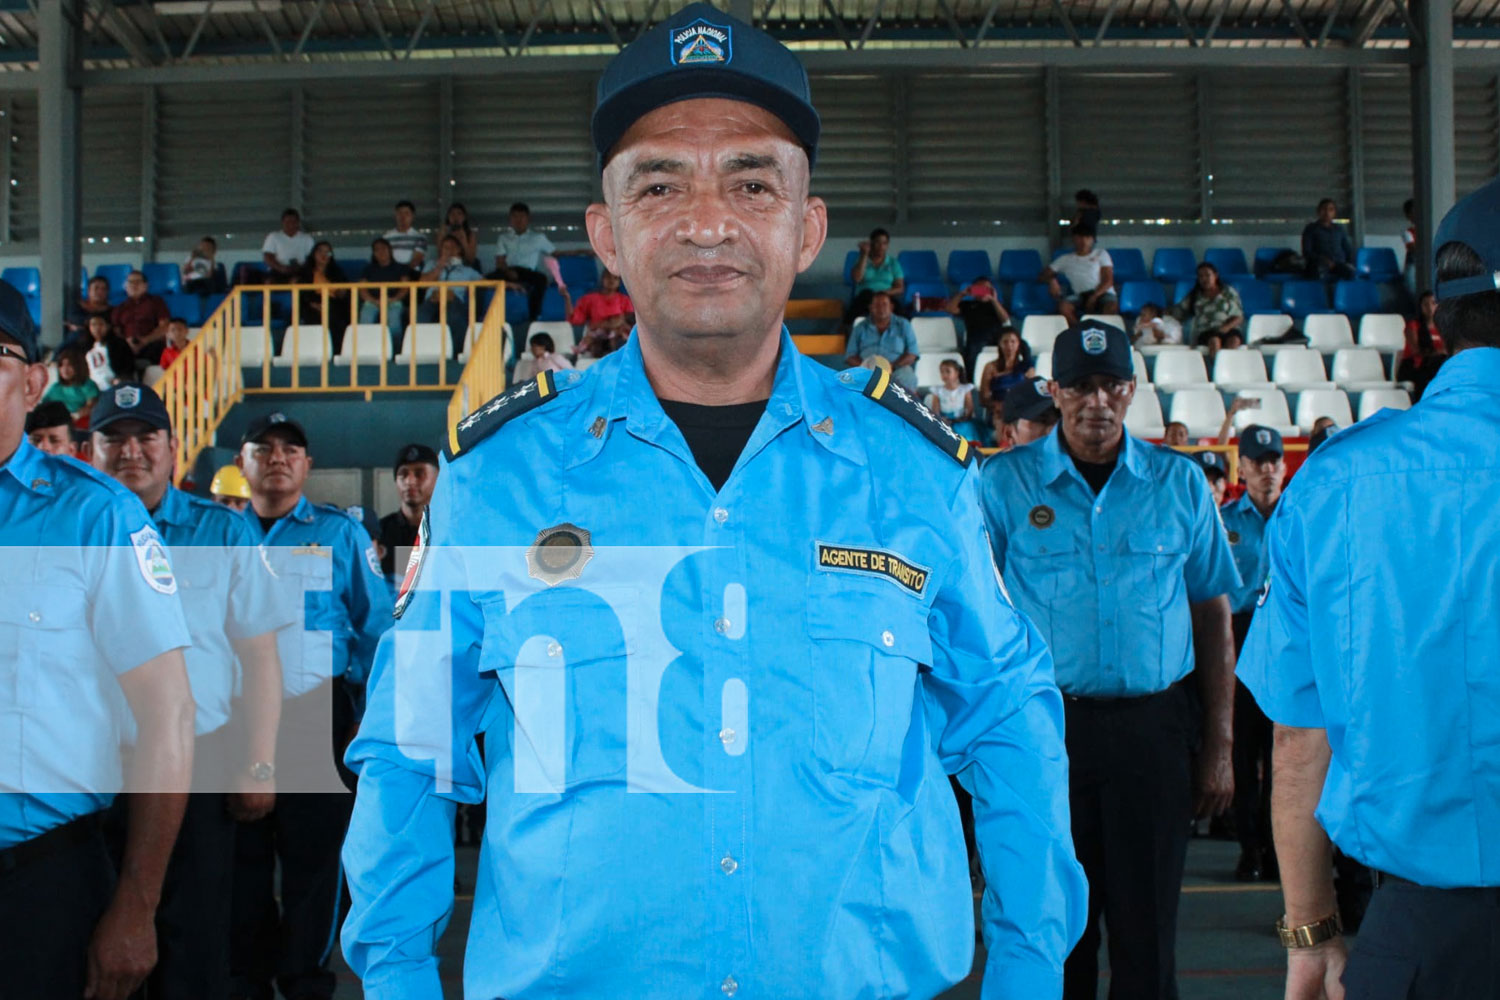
x: 508, y: 405
x: 888, y: 394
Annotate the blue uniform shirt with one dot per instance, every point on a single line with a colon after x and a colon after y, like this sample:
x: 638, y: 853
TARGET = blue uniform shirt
x: 1380, y: 626
x: 87, y: 594
x: 718, y: 758
x: 331, y: 574
x: 1246, y: 527
x: 1108, y: 579
x: 227, y: 593
x: 898, y: 338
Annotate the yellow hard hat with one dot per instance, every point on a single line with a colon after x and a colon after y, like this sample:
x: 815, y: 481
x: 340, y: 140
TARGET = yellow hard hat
x: 229, y: 481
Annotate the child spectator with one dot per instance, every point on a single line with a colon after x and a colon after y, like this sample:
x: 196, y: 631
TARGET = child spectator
x: 953, y: 401
x: 543, y: 358
x: 50, y: 428
x: 606, y: 315
x: 95, y: 303
x: 1176, y: 435
x: 201, y: 274
x: 109, y: 358
x: 456, y: 224
x: 73, y: 388
x: 1086, y: 209
x: 1153, y: 327
x: 177, y: 341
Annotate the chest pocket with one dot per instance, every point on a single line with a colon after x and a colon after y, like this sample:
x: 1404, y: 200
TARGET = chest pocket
x: 200, y: 573
x: 868, y: 638
x: 307, y: 645
x: 1157, y: 557
x: 45, y: 643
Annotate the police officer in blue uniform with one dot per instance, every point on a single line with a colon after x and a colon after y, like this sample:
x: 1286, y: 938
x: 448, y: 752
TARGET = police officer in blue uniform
x: 1114, y: 548
x: 726, y: 620
x: 1216, y: 471
x: 233, y: 614
x: 1374, y: 653
x: 1262, y: 470
x: 88, y: 612
x: 330, y: 572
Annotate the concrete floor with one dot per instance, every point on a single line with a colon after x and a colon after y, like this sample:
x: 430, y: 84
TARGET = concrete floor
x: 1226, y: 946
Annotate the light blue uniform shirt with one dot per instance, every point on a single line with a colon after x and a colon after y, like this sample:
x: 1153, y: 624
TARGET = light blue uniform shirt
x: 1246, y: 528
x: 1108, y: 579
x: 87, y: 594
x: 227, y: 593
x: 331, y: 576
x: 897, y: 339
x: 714, y: 763
x: 1381, y: 627
x: 524, y: 250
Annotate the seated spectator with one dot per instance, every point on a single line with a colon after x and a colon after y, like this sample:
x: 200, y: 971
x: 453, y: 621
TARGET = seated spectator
x: 109, y: 358
x: 1086, y: 209
x: 1424, y: 353
x: 177, y: 341
x: 201, y: 273
x: 1176, y: 435
x: 1028, y: 413
x: 456, y: 224
x: 525, y: 256
x: 49, y: 427
x: 450, y: 267
x: 983, y: 315
x: 1326, y: 245
x: 1012, y: 368
x: 875, y: 271
x: 94, y: 303
x: 1323, y: 428
x: 73, y: 388
x: 141, y: 319
x: 384, y: 269
x: 1218, y: 318
x: 1091, y: 275
x: 1212, y: 464
x: 542, y: 356
x: 884, y: 335
x: 328, y: 308
x: 606, y: 316
x: 1153, y: 328
x: 953, y: 401
x: 285, y: 249
x: 408, y: 244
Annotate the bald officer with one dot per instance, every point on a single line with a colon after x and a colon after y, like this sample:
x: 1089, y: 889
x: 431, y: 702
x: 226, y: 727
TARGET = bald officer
x: 1374, y: 652
x: 1114, y: 547
x: 727, y: 642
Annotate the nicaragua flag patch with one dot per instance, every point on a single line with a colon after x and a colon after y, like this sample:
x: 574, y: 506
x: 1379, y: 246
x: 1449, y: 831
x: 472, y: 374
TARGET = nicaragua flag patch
x: 701, y: 43
x: 151, y: 557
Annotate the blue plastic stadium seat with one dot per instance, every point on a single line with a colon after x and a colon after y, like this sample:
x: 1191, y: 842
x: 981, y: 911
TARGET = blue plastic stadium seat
x: 1180, y: 289
x: 249, y: 273
x: 966, y: 265
x: 26, y: 280
x: 1019, y: 266
x: 920, y: 266
x: 1265, y: 257
x: 34, y: 306
x: 1300, y: 298
x: 934, y: 294
x: 850, y: 259
x: 184, y: 307
x: 1130, y: 264
x: 1173, y: 264
x: 210, y: 305
x: 552, y: 305
x: 1134, y: 294
x: 162, y: 278
x: 1031, y: 298
x: 1355, y: 298
x: 580, y: 273
x: 1229, y: 260
x: 1255, y: 295
x: 354, y: 269
x: 516, y: 307
x: 1377, y: 264
x: 115, y: 274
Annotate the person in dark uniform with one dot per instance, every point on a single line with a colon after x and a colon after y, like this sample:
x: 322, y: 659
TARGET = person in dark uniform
x: 416, y: 472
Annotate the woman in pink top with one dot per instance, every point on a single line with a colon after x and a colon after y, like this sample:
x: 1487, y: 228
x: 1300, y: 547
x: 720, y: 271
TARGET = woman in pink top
x: 606, y: 315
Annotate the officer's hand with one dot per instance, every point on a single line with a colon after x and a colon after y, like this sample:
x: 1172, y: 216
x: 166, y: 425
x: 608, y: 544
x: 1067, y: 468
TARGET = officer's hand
x: 1315, y: 973
x: 1215, y: 779
x: 123, y: 950
x: 253, y: 800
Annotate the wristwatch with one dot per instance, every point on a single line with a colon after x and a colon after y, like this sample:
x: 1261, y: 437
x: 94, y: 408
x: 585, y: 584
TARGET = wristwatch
x: 1309, y: 935
x: 262, y: 771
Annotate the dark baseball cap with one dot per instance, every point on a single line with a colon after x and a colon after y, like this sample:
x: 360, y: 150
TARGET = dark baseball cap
x: 278, y: 422
x: 15, y: 320
x: 1211, y: 462
x: 1028, y: 400
x: 49, y: 414
x: 1321, y: 435
x: 367, y: 519
x: 414, y: 453
x: 703, y: 52
x: 1256, y: 442
x: 1091, y: 348
x: 1474, y: 222
x: 130, y: 401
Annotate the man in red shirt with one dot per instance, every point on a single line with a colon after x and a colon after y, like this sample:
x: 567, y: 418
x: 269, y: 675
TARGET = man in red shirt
x: 141, y: 319
x: 606, y: 314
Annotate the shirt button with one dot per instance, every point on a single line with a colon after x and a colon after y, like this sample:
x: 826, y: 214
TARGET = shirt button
x: 729, y: 987
x: 553, y: 649
x: 721, y: 625
x: 729, y: 865
x: 887, y: 638
x: 35, y: 617
x: 1098, y: 510
x: 721, y: 515
x: 1158, y: 548
x: 726, y: 736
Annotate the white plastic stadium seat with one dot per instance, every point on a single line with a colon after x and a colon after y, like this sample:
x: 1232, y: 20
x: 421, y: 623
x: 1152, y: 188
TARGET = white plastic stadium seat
x: 935, y: 333
x: 981, y: 359
x: 1240, y: 369
x: 929, y: 367
x: 255, y: 344
x: 431, y: 342
x: 1372, y: 401
x: 1382, y: 331
x: 1265, y: 325
x: 1040, y: 331
x: 1324, y: 403
x: 370, y: 340
x: 1272, y: 412
x: 1299, y: 368
x: 1116, y: 321
x: 1327, y: 332
x: 1179, y: 369
x: 1138, y: 365
x: 1359, y: 368
x: 1042, y: 365
x: 1202, y: 409
x: 303, y: 345
x: 560, y: 330
x: 1144, y: 419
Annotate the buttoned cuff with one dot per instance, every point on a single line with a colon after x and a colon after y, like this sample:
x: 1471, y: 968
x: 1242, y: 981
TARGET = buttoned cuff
x: 410, y: 982
x: 1007, y: 977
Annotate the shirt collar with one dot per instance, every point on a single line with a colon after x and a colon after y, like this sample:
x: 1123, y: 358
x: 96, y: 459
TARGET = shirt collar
x: 1056, y: 462
x: 173, y: 508
x: 302, y: 512
x: 27, y: 466
x: 1472, y: 368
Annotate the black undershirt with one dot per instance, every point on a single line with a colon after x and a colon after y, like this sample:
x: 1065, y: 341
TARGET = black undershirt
x: 715, y: 434
x: 1096, y: 474
x: 266, y: 522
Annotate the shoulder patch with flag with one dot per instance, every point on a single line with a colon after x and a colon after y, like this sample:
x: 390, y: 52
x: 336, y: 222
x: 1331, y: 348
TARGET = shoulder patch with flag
x: 414, y: 565
x: 151, y: 557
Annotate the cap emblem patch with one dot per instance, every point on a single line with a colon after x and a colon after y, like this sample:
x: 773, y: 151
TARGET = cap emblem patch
x: 1094, y: 342
x: 1263, y: 437
x: 127, y: 397
x: 700, y: 44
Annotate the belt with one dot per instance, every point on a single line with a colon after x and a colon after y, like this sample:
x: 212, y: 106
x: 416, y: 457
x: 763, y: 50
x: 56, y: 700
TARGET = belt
x: 1125, y: 701
x: 54, y: 841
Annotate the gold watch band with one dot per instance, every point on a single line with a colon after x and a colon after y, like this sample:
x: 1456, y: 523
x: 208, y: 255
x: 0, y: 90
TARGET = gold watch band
x: 1309, y: 935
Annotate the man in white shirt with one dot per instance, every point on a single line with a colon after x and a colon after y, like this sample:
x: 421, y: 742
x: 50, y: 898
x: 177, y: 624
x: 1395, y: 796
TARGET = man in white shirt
x: 408, y: 244
x: 286, y: 248
x: 518, y: 257
x: 1091, y: 277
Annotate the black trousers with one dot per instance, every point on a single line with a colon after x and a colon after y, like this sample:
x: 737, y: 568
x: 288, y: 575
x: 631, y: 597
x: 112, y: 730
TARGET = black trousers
x: 1130, y: 788
x: 1252, y: 760
x: 1426, y: 944
x: 49, y: 906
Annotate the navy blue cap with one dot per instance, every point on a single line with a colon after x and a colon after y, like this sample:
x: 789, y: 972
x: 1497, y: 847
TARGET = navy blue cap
x: 703, y: 52
x: 414, y: 453
x: 1256, y: 442
x: 1321, y: 435
x: 1091, y: 348
x: 49, y: 414
x: 1474, y: 222
x: 367, y: 519
x: 279, y: 422
x: 129, y: 401
x: 15, y: 320
x: 1028, y: 400
x: 1211, y: 462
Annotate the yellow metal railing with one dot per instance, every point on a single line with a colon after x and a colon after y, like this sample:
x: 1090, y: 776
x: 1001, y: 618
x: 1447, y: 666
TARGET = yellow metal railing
x: 200, y: 387
x: 482, y: 380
